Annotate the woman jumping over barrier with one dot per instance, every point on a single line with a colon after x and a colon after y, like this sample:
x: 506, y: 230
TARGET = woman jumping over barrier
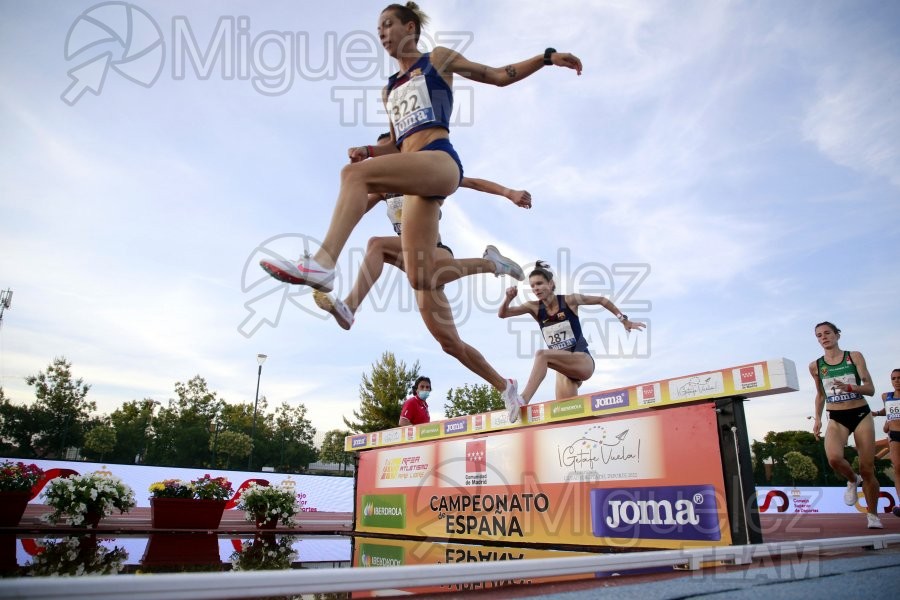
x: 422, y: 165
x: 388, y: 250
x: 842, y: 382
x: 557, y: 316
x: 891, y: 410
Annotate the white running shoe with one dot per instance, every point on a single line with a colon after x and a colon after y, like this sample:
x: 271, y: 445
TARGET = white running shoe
x: 336, y: 307
x: 511, y: 400
x: 850, y: 495
x: 873, y: 522
x: 503, y: 265
x: 304, y: 272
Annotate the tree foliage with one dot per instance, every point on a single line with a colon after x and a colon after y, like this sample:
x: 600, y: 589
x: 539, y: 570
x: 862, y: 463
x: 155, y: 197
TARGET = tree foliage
x: 100, y: 440
x: 60, y: 411
x: 470, y: 400
x: 133, y: 422
x: 332, y: 450
x: 801, y: 467
x: 382, y: 394
x: 230, y: 445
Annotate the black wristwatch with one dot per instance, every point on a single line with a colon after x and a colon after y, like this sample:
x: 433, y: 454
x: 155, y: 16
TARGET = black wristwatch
x: 622, y: 317
x: 547, y: 54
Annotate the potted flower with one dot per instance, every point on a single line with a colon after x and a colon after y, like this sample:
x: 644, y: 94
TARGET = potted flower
x: 267, y: 505
x: 16, y: 481
x: 82, y: 500
x: 265, y: 553
x: 199, y: 504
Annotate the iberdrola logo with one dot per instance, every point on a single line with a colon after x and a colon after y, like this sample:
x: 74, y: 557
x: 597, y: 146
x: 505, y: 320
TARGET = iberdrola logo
x: 368, y: 509
x: 365, y: 561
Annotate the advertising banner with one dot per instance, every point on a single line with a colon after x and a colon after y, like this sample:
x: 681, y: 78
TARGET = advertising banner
x: 810, y: 500
x: 652, y: 480
x: 754, y: 379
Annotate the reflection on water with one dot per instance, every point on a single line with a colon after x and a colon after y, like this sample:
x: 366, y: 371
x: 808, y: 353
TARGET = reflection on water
x: 77, y: 555
x: 265, y: 553
x: 383, y: 552
x: 195, y: 552
x: 167, y: 553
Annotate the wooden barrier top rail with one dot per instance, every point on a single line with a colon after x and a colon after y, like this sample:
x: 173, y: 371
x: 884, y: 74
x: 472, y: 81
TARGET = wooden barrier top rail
x: 761, y: 378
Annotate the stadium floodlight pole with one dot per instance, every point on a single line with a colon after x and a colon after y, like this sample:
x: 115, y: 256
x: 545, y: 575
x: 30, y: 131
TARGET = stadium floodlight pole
x: 5, y: 301
x: 260, y: 358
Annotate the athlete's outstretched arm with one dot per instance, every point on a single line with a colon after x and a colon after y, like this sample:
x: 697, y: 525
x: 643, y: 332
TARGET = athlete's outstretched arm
x: 449, y: 61
x: 518, y: 197
x: 528, y: 308
x: 574, y: 300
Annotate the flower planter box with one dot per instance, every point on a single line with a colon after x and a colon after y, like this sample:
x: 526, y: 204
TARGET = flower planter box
x: 12, y: 507
x: 186, y: 513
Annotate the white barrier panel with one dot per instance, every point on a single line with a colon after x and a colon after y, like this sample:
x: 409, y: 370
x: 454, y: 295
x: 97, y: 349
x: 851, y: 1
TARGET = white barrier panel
x: 317, y: 493
x: 818, y: 500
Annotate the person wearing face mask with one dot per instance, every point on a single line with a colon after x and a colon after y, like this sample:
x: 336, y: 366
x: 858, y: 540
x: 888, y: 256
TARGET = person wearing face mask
x: 557, y: 315
x: 415, y: 409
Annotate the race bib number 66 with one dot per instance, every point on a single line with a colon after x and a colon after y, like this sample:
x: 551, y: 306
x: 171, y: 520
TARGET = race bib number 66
x: 892, y: 409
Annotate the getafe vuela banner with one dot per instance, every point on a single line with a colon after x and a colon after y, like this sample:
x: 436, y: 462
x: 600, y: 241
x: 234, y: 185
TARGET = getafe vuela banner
x: 649, y: 480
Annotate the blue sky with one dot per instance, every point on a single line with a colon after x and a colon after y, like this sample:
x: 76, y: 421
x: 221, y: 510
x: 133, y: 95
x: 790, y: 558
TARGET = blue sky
x: 729, y: 171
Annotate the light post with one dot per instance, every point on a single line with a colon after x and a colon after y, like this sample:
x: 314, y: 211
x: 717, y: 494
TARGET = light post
x: 5, y: 302
x: 260, y: 358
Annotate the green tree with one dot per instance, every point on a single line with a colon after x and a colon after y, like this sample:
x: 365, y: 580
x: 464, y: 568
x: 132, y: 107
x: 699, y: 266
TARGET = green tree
x: 231, y: 444
x: 61, y: 409
x: 382, y: 393
x: 470, y: 400
x: 773, y: 449
x: 100, y: 440
x: 801, y: 467
x: 185, y: 425
x: 332, y: 450
x: 289, y: 439
x: 133, y: 422
x: 18, y: 424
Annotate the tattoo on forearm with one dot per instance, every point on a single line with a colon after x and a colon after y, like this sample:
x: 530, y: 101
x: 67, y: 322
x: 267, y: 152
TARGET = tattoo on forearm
x: 511, y: 71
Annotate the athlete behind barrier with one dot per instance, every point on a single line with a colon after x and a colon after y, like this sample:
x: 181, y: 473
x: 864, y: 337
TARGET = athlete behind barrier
x: 557, y: 316
x: 891, y: 410
x: 842, y: 382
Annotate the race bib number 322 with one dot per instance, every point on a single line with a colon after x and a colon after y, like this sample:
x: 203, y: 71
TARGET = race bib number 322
x: 409, y: 105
